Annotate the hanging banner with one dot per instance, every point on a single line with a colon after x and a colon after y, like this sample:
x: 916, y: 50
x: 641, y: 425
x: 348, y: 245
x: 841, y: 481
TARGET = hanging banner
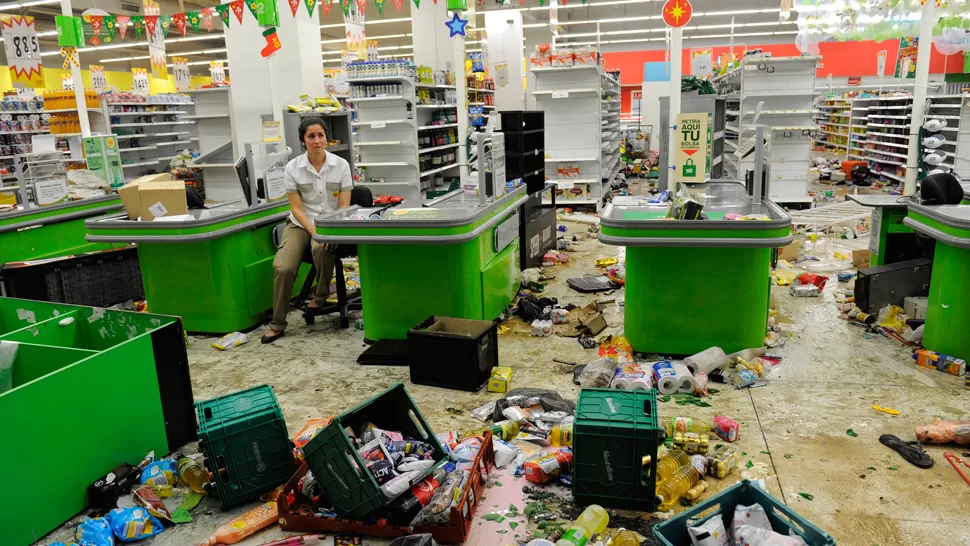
x: 207, y: 14
x: 217, y: 71
x: 237, y: 9
x: 223, y: 10
x: 67, y: 82
x: 180, y: 21
x: 23, y: 50
x: 138, y: 21
x: 98, y: 80
x: 399, y: 4
x: 139, y: 83
x: 906, y: 60
x: 123, y: 25
x: 327, y: 4
x: 156, y: 40
x: 881, y: 63
x: 553, y: 16
x: 183, y: 78
x: 354, y: 25
x: 294, y: 5
x: 701, y: 62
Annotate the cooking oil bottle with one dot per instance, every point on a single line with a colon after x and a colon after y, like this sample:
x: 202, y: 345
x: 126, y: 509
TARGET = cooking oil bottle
x: 192, y: 474
x: 669, y: 463
x: 505, y: 430
x: 674, y: 487
x: 561, y: 436
x: 685, y: 424
x: 625, y: 538
x: 592, y: 521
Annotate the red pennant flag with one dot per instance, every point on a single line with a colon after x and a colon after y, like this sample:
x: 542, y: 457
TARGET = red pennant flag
x: 361, y: 6
x: 123, y: 25
x: 399, y: 4
x: 179, y: 19
x: 96, y: 21
x: 327, y: 4
x: 207, y: 17
x: 294, y: 5
x: 237, y: 8
x: 151, y: 21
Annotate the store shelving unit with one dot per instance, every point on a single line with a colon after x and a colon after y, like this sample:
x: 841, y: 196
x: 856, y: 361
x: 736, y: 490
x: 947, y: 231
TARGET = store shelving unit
x: 778, y: 92
x: 886, y: 139
x: 579, y: 139
x: 833, y: 117
x: 147, y: 132
x: 216, y: 143
x: 954, y: 110
x: 387, y: 131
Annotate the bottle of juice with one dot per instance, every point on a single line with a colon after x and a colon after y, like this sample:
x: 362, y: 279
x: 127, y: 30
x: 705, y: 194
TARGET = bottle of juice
x: 561, y: 436
x: 669, y: 463
x: 192, y: 474
x: 625, y: 538
x: 685, y: 424
x: 674, y: 487
x: 592, y: 521
x: 245, y: 525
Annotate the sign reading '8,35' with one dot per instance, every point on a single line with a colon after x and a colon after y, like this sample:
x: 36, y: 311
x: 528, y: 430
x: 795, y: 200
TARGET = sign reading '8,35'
x: 693, y: 143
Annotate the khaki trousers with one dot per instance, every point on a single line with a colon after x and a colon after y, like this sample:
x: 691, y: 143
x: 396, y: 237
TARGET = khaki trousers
x: 286, y: 264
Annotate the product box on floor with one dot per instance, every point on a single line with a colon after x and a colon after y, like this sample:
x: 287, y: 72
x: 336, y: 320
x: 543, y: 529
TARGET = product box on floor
x: 298, y: 513
x: 453, y: 353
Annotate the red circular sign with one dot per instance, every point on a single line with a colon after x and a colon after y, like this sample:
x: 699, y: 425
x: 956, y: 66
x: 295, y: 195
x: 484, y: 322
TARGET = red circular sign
x: 677, y: 12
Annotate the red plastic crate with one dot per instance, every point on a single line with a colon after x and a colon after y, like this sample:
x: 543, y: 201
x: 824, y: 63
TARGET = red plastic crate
x: 301, y: 515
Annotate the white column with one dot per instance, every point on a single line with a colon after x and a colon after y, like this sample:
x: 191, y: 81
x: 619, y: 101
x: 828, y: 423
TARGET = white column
x: 927, y: 20
x: 82, y: 110
x: 676, y: 70
x: 504, y: 30
x: 296, y: 69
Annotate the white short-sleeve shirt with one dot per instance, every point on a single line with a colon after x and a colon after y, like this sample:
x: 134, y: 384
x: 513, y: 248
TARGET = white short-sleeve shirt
x: 318, y: 190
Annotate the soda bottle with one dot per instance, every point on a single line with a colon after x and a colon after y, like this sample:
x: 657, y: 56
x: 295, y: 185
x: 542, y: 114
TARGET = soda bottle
x: 561, y: 436
x: 592, y: 521
x: 192, y: 474
x: 258, y: 518
x: 406, y: 507
x: 685, y: 424
x: 669, y: 463
x: 625, y: 538
x: 674, y: 487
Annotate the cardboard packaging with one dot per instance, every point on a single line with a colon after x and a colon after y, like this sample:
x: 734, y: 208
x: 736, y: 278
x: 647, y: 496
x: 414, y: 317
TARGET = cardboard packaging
x: 861, y: 258
x: 790, y: 253
x: 501, y: 379
x: 940, y: 362
x: 132, y: 197
x: 915, y: 307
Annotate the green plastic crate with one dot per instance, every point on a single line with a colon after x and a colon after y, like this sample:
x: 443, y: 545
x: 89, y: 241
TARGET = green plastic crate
x: 614, y: 433
x: 246, y: 446
x: 673, y: 532
x: 348, y: 486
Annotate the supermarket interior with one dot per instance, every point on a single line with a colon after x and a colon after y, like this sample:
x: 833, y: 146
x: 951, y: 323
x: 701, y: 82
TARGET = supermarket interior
x: 303, y: 273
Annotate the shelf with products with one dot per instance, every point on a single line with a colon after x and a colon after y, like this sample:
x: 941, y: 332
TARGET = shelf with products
x: 946, y: 132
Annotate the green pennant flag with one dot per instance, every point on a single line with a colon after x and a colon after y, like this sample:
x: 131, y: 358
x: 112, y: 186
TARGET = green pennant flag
x: 252, y: 7
x: 194, y: 18
x: 138, y: 21
x: 223, y: 10
x: 109, y: 25
x: 380, y: 6
x: 164, y: 21
x: 417, y: 3
x: 310, y: 4
x: 345, y: 7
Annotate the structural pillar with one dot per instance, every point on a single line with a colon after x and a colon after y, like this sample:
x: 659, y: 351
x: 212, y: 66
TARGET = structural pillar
x: 927, y: 21
x: 676, y: 70
x: 504, y: 29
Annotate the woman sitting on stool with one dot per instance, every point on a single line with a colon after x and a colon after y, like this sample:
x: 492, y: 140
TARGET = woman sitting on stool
x: 316, y: 182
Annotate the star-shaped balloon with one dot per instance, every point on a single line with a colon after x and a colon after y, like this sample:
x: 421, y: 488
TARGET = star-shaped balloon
x: 456, y: 25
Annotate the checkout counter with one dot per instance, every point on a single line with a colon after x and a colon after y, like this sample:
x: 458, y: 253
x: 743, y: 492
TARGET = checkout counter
x: 37, y: 233
x: 456, y: 256
x: 890, y: 240
x: 694, y: 284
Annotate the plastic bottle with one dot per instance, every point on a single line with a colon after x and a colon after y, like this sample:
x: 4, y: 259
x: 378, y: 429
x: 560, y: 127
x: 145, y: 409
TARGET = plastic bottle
x: 674, y: 487
x: 258, y: 518
x: 670, y: 463
x: 192, y: 474
x: 561, y: 436
x: 592, y: 521
x: 686, y: 424
x: 505, y: 430
x: 406, y: 507
x: 625, y: 538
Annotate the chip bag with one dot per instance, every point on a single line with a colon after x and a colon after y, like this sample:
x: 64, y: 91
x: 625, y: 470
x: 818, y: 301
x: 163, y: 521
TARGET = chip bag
x: 131, y: 524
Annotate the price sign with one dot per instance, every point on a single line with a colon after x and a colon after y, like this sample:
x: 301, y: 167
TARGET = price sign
x: 183, y: 77
x: 140, y: 82
x: 98, y: 80
x: 378, y: 125
x: 217, y: 71
x: 271, y: 131
x: 67, y: 82
x: 23, y: 50
x: 560, y: 94
x: 49, y: 192
x: 275, y: 187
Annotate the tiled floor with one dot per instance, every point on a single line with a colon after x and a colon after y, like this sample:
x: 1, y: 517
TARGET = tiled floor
x: 793, y: 428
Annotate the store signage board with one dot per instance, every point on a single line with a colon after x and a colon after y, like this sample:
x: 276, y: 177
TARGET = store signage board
x: 378, y: 125
x: 560, y: 94
x: 701, y: 62
x: 271, y: 131
x: 693, y: 146
x: 51, y: 191
x: 183, y: 78
x: 98, y: 79
x: 677, y: 13
x: 217, y: 71
x: 139, y: 82
x: 275, y: 187
x: 498, y: 165
x: 23, y: 50
x: 67, y: 82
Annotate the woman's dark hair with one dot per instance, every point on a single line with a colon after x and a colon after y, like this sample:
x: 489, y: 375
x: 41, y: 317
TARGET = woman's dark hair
x: 308, y: 122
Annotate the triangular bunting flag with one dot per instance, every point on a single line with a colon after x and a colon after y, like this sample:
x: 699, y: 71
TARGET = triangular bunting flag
x: 294, y: 5
x: 179, y: 19
x: 96, y: 21
x: 251, y: 4
x: 151, y: 21
x: 206, y: 15
x: 123, y: 25
x: 436, y: 2
x: 138, y: 21
x: 563, y: 2
x: 380, y: 6
x: 361, y: 6
x: 542, y: 3
x: 109, y: 25
x: 399, y: 4
x: 223, y: 10
x: 417, y: 3
x: 310, y: 4
x: 164, y: 21
x: 327, y: 4
x: 237, y: 9
x: 345, y: 7
x: 194, y: 19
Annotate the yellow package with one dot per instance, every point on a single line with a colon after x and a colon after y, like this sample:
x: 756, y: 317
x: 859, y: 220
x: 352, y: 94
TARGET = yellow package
x: 501, y: 379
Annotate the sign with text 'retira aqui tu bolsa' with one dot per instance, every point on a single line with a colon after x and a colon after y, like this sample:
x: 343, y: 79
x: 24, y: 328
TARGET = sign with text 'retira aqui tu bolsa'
x: 693, y: 147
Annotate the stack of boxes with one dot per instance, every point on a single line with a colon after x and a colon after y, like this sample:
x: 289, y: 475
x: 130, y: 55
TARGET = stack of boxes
x: 545, y: 56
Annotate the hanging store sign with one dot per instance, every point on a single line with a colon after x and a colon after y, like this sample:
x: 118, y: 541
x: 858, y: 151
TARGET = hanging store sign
x: 676, y: 13
x: 23, y: 50
x: 693, y: 146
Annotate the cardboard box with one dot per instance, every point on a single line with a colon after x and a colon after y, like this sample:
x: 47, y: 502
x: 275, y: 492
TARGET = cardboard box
x: 915, y: 307
x: 131, y: 196
x: 790, y: 253
x: 940, y: 362
x: 861, y: 258
x: 501, y: 379
x: 157, y: 199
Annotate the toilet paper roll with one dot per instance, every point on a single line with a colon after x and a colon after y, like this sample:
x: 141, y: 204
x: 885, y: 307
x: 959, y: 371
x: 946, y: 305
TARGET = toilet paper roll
x: 684, y: 379
x: 665, y: 377
x: 707, y: 360
x: 626, y: 375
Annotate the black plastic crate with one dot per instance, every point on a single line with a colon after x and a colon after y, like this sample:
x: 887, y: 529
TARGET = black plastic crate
x: 525, y: 141
x: 535, y: 181
x: 524, y: 164
x: 99, y: 279
x: 537, y: 235
x: 522, y: 120
x: 453, y: 353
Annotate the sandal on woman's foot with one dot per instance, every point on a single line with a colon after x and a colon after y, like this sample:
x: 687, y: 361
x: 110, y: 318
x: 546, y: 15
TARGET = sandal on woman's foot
x: 914, y: 455
x: 268, y: 338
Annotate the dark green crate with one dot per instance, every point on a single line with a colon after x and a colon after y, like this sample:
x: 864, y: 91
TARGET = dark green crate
x: 245, y: 443
x: 673, y: 532
x: 348, y: 486
x: 615, y: 439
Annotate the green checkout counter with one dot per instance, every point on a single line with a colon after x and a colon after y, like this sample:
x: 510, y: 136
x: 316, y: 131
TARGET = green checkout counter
x: 455, y: 256
x: 37, y: 233
x: 948, y: 309
x: 694, y: 284
x: 213, y: 269
x: 890, y: 240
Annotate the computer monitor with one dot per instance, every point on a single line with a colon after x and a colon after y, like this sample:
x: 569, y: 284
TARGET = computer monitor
x: 242, y: 172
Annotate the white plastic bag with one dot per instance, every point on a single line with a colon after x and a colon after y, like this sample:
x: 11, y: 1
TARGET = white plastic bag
x: 709, y: 533
x: 598, y: 373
